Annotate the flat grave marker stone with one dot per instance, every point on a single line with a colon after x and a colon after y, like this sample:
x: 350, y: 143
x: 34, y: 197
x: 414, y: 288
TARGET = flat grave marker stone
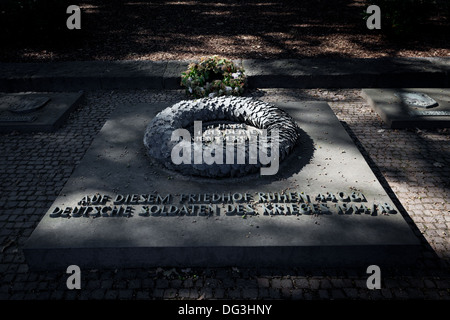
x: 325, y: 207
x: 32, y: 111
x: 411, y: 107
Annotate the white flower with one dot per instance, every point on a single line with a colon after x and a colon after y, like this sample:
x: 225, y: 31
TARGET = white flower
x: 212, y: 95
x: 190, y: 90
x: 236, y: 75
x: 227, y: 89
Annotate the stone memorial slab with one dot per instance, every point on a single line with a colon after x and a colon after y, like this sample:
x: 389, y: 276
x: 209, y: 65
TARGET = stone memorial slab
x: 32, y: 111
x: 324, y: 207
x: 411, y: 107
x: 416, y: 99
x: 24, y: 103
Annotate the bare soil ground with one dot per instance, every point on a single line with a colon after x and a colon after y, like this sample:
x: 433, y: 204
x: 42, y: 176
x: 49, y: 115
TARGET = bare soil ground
x: 256, y: 29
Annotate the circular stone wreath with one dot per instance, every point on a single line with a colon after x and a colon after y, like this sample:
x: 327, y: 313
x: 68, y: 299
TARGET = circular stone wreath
x: 157, y: 138
x: 213, y: 77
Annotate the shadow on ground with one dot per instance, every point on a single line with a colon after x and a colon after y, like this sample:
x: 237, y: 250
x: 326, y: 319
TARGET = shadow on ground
x: 181, y: 30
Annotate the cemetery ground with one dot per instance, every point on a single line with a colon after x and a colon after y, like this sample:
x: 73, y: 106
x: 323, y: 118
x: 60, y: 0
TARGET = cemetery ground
x: 411, y: 164
x: 185, y: 30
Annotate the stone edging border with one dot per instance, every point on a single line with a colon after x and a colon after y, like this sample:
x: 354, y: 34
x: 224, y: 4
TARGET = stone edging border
x: 285, y: 73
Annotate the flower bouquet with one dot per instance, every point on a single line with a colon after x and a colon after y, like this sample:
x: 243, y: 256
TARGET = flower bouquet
x: 213, y: 76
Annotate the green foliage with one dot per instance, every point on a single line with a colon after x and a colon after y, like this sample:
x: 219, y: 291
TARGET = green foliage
x: 213, y: 76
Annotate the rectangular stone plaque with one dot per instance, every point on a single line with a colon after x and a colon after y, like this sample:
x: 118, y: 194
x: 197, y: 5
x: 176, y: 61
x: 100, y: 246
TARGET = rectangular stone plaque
x: 23, y: 103
x: 325, y: 207
x: 397, y: 112
x: 36, y: 111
